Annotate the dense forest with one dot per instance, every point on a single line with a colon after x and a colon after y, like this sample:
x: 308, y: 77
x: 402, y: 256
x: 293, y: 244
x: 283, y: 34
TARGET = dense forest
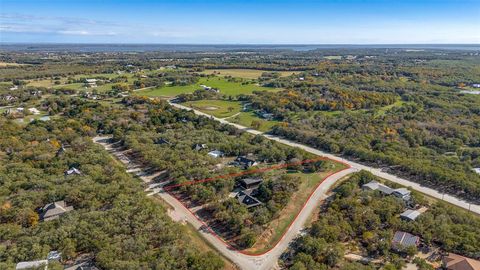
x: 411, y: 113
x: 364, y: 222
x: 409, y: 119
x: 162, y: 138
x: 112, y: 219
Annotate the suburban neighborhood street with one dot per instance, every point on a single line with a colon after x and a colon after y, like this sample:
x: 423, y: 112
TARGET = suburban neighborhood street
x: 378, y: 172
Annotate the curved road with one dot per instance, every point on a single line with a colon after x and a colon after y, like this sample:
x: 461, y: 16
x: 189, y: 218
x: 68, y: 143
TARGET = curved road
x: 475, y: 208
x: 180, y: 213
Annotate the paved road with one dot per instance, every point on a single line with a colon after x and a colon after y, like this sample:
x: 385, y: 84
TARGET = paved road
x: 378, y: 172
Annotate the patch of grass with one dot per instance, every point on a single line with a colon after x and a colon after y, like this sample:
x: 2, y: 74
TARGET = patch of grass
x: 217, y: 108
x: 381, y: 111
x: 246, y: 119
x: 197, y: 240
x: 245, y: 73
x: 226, y: 88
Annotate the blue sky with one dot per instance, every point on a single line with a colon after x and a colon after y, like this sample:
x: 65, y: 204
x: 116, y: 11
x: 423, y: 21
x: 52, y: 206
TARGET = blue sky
x: 246, y: 21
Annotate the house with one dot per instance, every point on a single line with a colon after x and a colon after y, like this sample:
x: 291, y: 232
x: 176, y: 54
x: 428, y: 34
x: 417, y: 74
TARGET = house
x: 73, y: 170
x: 456, y: 262
x: 161, y: 141
x: 34, y: 111
x: 15, y: 87
x: 216, y: 153
x: 410, y: 215
x: 246, y: 197
x: 54, y: 210
x: 91, y: 82
x: 476, y: 85
x: 477, y: 170
x: 402, y: 240
x: 374, y: 185
x: 32, y: 265
x: 402, y: 193
x: 246, y: 107
x: 54, y: 256
x: 245, y: 162
x: 249, y: 183
x: 205, y: 87
x: 198, y: 147
x: 60, y: 151
x: 208, y: 88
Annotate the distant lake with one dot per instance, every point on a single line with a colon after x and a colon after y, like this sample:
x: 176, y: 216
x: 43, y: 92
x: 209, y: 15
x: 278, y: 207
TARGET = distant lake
x: 45, y: 47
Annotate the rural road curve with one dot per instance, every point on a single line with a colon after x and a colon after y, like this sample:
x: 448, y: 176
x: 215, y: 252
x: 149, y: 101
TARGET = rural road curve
x: 266, y: 261
x: 378, y: 172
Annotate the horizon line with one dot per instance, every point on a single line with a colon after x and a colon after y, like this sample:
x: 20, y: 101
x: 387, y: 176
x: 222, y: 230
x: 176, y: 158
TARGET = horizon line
x: 207, y: 44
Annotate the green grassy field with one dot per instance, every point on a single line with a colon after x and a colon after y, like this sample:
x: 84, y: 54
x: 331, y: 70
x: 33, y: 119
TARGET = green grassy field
x: 217, y: 108
x: 225, y: 87
x: 246, y: 119
x: 245, y: 73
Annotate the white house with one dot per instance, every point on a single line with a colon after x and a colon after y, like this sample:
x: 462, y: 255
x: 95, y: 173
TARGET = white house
x: 216, y: 153
x: 34, y: 111
x: 91, y: 82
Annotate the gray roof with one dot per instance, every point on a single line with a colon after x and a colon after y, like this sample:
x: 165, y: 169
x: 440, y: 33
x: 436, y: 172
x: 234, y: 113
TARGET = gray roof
x: 410, y: 214
x: 374, y: 185
x: 32, y: 264
x: 404, y: 240
x: 402, y: 191
x: 54, y: 210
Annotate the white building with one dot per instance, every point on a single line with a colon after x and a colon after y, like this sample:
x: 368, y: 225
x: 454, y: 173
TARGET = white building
x: 34, y: 111
x: 91, y: 82
x: 216, y: 153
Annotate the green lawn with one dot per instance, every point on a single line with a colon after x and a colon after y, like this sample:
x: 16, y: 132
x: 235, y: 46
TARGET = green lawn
x: 246, y: 118
x: 225, y: 87
x: 217, y: 108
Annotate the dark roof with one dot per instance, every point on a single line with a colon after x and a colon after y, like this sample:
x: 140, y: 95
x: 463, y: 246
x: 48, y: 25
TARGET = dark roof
x: 251, y: 181
x: 247, y: 199
x: 245, y: 161
x: 199, y: 146
x: 161, y: 141
x: 404, y: 240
